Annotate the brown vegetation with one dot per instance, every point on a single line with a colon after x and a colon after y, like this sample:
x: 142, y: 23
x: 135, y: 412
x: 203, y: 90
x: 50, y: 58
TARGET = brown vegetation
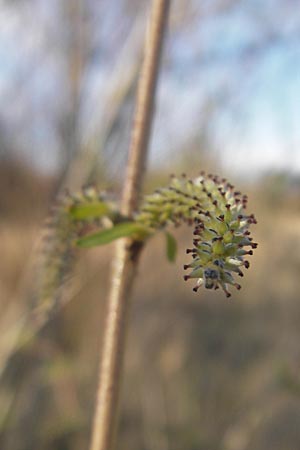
x: 202, y: 372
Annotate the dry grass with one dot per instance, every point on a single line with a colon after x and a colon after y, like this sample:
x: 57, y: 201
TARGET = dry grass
x: 202, y: 372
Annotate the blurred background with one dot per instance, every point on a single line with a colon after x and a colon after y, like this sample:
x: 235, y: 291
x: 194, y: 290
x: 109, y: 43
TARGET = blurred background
x: 202, y: 372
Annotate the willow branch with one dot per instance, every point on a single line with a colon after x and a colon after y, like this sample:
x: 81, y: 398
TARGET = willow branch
x: 126, y: 258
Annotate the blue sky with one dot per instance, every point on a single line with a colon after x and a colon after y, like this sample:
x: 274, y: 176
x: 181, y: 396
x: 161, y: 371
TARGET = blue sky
x: 234, y: 73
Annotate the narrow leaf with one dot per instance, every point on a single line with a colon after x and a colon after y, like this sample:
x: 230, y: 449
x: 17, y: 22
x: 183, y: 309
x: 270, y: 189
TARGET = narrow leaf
x: 171, y: 247
x: 89, y: 210
x: 125, y: 229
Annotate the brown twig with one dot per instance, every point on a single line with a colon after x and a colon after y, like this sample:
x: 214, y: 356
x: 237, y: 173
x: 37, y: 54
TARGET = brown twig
x: 127, y: 253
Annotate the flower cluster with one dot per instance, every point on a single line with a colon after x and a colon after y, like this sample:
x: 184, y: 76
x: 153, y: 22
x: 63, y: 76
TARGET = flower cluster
x: 221, y: 227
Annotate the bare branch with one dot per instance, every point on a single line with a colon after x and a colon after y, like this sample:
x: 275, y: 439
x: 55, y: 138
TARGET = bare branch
x: 127, y: 253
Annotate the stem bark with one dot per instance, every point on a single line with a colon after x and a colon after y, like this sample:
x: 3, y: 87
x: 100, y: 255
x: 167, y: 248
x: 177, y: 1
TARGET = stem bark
x: 127, y: 252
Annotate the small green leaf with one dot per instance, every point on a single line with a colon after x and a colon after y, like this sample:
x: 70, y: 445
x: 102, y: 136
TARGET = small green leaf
x: 125, y: 229
x: 171, y: 247
x: 89, y: 210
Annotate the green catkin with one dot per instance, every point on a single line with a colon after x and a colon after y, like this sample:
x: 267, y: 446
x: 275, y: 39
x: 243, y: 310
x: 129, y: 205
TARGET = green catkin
x: 55, y: 261
x: 221, y: 226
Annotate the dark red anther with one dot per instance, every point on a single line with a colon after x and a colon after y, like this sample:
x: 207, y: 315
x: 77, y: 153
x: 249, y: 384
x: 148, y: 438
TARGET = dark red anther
x: 221, y: 217
x: 195, y: 289
x: 246, y: 264
x: 254, y: 244
x: 200, y: 225
x: 215, y: 203
x: 227, y: 206
x: 240, y: 216
x: 252, y: 216
x: 189, y: 250
x: 186, y: 277
x: 186, y: 266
